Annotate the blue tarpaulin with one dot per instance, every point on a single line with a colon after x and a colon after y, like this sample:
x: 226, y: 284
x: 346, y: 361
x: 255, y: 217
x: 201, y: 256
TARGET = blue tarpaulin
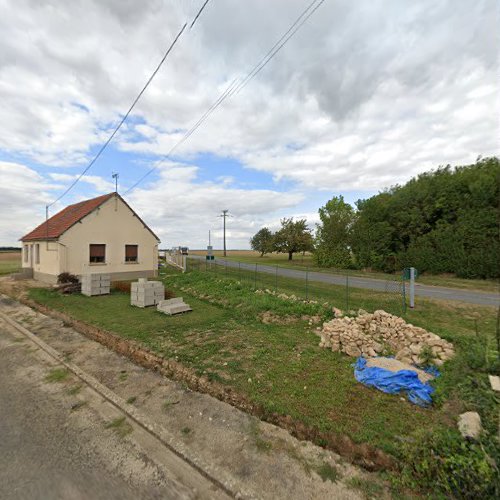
x: 395, y: 382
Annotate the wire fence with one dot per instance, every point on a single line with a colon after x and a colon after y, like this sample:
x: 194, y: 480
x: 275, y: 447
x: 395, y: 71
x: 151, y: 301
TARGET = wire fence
x: 343, y: 289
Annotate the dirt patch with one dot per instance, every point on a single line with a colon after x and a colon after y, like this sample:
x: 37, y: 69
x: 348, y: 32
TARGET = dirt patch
x: 362, y: 454
x: 270, y: 318
x: 10, y: 256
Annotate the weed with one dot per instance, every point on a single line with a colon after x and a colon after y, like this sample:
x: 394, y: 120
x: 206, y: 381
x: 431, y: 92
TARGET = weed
x: 78, y: 405
x: 370, y: 488
x: 427, y: 356
x: 72, y: 391
x: 328, y: 472
x: 444, y: 463
x: 57, y: 375
x: 123, y: 375
x: 186, y: 431
x: 255, y: 432
x: 167, y: 404
x: 131, y: 400
x: 120, y: 426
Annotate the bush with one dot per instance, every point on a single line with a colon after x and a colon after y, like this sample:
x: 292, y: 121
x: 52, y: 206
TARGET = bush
x: 67, y: 278
x: 443, y: 462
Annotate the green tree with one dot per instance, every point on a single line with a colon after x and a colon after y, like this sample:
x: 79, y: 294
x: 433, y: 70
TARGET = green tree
x: 292, y: 237
x: 333, y: 234
x: 443, y: 221
x: 262, y: 241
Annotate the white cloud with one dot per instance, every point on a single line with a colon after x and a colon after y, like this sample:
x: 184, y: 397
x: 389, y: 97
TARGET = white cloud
x: 182, y: 210
x: 365, y: 95
x: 23, y: 195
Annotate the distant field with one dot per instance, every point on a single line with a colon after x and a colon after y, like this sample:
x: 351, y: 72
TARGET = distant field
x: 10, y: 262
x: 305, y: 261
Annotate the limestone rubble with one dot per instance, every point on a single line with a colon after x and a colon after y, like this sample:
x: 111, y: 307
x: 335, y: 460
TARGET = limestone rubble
x: 382, y: 333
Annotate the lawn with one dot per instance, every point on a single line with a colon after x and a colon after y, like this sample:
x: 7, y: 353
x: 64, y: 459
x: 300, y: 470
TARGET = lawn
x: 303, y: 262
x: 10, y: 262
x: 282, y: 368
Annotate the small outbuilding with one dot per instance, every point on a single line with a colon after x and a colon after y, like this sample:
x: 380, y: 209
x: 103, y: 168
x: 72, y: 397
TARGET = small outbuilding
x: 98, y: 236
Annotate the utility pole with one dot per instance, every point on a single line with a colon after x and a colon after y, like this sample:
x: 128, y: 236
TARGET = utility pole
x: 224, y: 215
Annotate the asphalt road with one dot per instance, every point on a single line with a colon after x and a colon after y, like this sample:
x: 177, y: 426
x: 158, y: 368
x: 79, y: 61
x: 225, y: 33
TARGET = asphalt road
x: 431, y: 292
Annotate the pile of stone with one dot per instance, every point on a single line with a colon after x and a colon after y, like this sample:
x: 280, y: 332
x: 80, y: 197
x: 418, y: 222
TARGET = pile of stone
x: 95, y: 284
x: 173, y: 306
x: 381, y: 333
x: 144, y: 293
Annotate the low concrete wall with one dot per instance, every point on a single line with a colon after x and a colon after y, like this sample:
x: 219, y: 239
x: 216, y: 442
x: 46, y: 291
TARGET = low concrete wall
x: 45, y: 278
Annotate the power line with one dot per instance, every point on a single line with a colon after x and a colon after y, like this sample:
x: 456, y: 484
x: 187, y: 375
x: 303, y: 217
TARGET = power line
x: 237, y: 85
x: 279, y: 45
x: 199, y: 12
x: 122, y: 121
x: 110, y: 138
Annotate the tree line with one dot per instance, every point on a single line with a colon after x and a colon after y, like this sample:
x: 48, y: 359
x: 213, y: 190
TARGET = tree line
x: 443, y: 221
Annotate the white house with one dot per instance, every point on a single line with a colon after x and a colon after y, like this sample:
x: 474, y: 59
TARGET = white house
x: 101, y: 235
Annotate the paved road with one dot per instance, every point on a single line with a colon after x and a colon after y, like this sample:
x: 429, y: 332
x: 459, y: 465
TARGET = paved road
x: 431, y: 292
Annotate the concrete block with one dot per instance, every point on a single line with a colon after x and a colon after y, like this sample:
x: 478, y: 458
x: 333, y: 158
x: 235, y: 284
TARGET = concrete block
x: 174, y: 309
x: 143, y: 280
x: 176, y: 300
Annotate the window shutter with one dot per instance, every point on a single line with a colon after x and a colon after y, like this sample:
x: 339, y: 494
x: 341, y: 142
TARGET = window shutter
x: 130, y: 253
x: 97, y: 252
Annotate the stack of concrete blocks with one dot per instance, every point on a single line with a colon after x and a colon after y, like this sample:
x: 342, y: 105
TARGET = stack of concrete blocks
x: 95, y: 284
x: 173, y: 306
x: 144, y: 293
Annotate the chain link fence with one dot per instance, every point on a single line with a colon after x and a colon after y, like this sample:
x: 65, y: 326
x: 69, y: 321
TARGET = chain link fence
x: 344, y: 289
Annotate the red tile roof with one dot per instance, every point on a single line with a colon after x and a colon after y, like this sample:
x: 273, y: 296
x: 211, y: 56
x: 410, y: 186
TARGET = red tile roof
x: 63, y: 220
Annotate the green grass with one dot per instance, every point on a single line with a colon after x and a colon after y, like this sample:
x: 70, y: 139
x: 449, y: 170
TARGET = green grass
x: 328, y: 473
x: 280, y: 366
x: 120, y: 426
x: 73, y: 391
x: 9, y: 265
x: 369, y: 488
x: 57, y: 375
x: 303, y: 262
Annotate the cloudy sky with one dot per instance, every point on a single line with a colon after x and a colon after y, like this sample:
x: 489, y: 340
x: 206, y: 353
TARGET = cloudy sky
x: 364, y: 96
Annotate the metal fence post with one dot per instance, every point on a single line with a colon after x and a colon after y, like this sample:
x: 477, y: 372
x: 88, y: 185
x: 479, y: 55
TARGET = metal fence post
x: 403, y: 291
x: 347, y: 291
x: 412, y: 287
x: 307, y: 283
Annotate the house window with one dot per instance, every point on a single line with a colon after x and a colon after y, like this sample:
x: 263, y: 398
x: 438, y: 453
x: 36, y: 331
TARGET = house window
x: 97, y: 253
x: 26, y: 253
x: 37, y: 253
x: 131, y: 253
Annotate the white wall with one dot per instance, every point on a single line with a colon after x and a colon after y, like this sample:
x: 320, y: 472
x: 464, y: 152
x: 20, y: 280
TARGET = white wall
x: 114, y: 225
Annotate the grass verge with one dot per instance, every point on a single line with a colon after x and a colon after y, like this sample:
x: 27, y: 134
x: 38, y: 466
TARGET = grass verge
x: 281, y: 368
